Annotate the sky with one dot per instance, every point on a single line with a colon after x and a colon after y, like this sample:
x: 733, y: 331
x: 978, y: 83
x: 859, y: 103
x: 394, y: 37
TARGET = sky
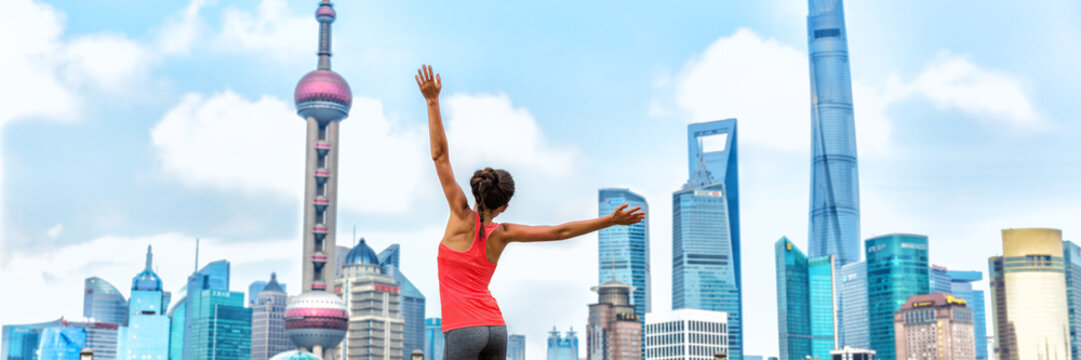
x: 126, y: 124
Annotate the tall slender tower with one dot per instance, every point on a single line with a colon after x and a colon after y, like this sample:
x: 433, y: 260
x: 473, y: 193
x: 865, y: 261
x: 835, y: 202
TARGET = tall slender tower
x: 835, y: 192
x: 316, y: 320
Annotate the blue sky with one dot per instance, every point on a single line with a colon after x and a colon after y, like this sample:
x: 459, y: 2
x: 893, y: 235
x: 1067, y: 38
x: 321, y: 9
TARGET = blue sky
x: 132, y: 123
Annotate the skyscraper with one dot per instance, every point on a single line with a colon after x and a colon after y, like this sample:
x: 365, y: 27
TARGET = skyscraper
x: 412, y: 301
x: 623, y: 250
x: 705, y: 230
x: 805, y: 303
x: 688, y: 334
x: 614, y: 331
x: 934, y: 326
x: 146, y: 336
x: 220, y: 326
x: 102, y: 302
x: 376, y: 328
x: 961, y: 287
x: 1071, y: 253
x: 433, y: 339
x: 854, y: 322
x: 562, y: 347
x: 268, y: 321
x: 940, y: 279
x: 21, y: 341
x: 61, y: 343
x: 316, y: 320
x: 258, y: 286
x: 897, y: 269
x: 1028, y: 294
x: 835, y: 192
x: 516, y: 347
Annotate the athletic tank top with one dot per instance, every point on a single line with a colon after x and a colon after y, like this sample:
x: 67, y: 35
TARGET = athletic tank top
x: 463, y: 284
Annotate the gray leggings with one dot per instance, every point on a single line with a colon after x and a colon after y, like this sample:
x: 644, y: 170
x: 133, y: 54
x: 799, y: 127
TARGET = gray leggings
x: 477, y: 342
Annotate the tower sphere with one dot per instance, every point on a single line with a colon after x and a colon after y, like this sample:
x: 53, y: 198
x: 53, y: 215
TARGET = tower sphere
x: 316, y: 318
x: 325, y: 13
x: 324, y: 95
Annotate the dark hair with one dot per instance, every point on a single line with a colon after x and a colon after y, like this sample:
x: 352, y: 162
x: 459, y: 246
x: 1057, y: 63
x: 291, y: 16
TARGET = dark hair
x: 492, y: 188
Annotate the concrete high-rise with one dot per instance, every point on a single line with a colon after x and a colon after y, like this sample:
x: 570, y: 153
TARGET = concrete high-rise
x: 562, y: 347
x: 705, y: 229
x: 854, y: 321
x: 835, y: 192
x: 268, y: 321
x: 1028, y: 296
x: 146, y: 335
x: 412, y: 301
x: 376, y: 327
x: 934, y: 326
x: 614, y: 330
x: 1071, y: 254
x: 806, y: 292
x: 434, y: 340
x: 516, y: 347
x: 316, y: 320
x: 258, y: 286
x: 623, y: 250
x: 686, y: 334
x: 102, y: 302
x: 897, y: 269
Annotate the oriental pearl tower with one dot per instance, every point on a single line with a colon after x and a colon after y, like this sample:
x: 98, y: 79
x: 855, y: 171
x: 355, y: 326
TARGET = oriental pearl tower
x: 317, y: 320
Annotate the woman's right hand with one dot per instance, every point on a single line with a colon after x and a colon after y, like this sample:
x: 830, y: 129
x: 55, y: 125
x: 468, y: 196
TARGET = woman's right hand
x: 429, y: 82
x: 624, y: 216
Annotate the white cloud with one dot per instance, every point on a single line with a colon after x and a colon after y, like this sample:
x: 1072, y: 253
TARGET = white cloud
x: 55, y: 231
x: 764, y: 84
x: 107, y: 62
x: 61, y: 271
x: 29, y: 35
x: 271, y: 30
x: 487, y: 130
x: 180, y: 32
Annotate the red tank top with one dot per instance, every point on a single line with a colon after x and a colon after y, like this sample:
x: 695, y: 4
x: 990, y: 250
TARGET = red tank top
x: 463, y: 284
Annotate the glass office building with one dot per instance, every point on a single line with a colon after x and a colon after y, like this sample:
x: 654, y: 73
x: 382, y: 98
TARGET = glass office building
x: 562, y: 347
x: 835, y: 193
x: 102, y: 302
x: 705, y: 229
x: 433, y: 339
x: 1071, y: 254
x: 897, y: 269
x: 940, y: 279
x: 146, y: 336
x: 219, y: 326
x: 623, y: 250
x: 961, y: 287
x: 516, y: 347
x: 413, y: 301
x: 806, y: 293
x: 854, y: 322
x: 61, y: 343
x: 20, y: 342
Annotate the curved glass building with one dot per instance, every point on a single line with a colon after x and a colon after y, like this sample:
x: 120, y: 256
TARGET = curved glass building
x: 835, y: 193
x: 103, y: 302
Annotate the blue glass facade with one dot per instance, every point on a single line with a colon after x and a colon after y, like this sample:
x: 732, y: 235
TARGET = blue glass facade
x: 705, y: 230
x: 178, y: 317
x: 821, y: 279
x: 20, y: 342
x: 940, y: 280
x: 623, y: 250
x: 961, y: 286
x: 103, y: 302
x: 433, y: 339
x: 854, y: 306
x: 897, y: 269
x: 516, y: 347
x: 1072, y: 255
x: 146, y: 336
x: 219, y: 326
x: 835, y: 200
x: 793, y: 305
x: 413, y: 301
x: 61, y: 343
x: 562, y: 347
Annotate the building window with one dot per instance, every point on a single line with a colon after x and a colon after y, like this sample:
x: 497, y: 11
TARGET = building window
x: 827, y: 33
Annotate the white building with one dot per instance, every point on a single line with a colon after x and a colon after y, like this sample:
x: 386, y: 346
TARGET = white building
x: 686, y: 334
x: 851, y: 353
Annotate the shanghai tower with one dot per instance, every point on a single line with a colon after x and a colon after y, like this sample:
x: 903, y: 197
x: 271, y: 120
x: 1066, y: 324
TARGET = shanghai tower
x: 835, y: 199
x: 316, y: 320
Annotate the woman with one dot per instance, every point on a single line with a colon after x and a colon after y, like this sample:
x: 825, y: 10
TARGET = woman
x: 472, y: 243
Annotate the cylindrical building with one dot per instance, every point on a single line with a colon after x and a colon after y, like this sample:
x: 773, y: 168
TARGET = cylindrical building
x: 1028, y: 294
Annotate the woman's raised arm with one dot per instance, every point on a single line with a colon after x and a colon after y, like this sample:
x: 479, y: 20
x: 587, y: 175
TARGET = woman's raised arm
x: 430, y: 84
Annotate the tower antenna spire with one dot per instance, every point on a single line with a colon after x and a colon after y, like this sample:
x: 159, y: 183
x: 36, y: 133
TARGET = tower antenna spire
x: 325, y: 14
x: 196, y: 256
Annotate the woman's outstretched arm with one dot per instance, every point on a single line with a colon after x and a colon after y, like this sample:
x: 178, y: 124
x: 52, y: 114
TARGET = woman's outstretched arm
x: 430, y: 84
x: 525, y: 233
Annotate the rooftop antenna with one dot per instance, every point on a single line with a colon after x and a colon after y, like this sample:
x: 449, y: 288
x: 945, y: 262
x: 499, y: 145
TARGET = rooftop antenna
x: 196, y: 256
x: 354, y: 235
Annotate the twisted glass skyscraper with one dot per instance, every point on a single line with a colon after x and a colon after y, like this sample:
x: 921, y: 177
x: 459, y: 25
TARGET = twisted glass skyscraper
x: 835, y: 199
x: 705, y: 229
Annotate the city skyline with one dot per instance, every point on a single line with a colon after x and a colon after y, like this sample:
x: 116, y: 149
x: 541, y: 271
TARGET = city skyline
x: 124, y: 199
